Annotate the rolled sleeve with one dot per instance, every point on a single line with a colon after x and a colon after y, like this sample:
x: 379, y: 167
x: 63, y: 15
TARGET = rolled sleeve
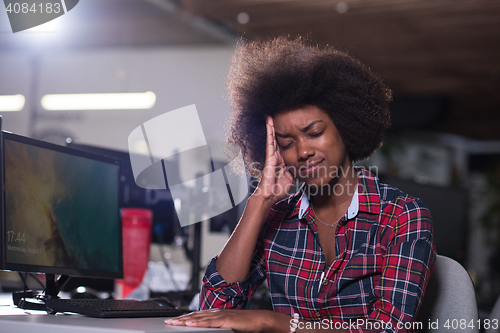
x: 216, y: 293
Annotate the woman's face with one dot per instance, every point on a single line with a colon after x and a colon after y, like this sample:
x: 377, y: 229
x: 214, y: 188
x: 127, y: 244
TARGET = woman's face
x: 311, y: 146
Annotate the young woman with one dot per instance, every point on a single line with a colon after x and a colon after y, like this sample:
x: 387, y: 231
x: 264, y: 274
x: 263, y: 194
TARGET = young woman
x: 344, y: 252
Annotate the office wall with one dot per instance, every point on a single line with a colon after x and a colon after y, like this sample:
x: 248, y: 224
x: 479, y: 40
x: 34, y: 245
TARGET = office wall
x: 178, y: 76
x: 15, y: 78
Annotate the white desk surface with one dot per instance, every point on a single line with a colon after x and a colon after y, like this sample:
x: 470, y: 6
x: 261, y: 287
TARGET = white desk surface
x: 13, y: 319
x: 61, y: 323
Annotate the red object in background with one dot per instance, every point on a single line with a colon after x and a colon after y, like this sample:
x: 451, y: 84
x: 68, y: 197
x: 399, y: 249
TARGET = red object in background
x: 136, y: 230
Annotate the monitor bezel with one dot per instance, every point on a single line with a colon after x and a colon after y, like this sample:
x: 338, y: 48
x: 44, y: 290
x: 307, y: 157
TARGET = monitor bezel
x: 28, y: 268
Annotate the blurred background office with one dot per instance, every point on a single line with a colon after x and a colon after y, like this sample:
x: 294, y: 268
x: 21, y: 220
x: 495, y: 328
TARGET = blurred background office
x: 441, y: 59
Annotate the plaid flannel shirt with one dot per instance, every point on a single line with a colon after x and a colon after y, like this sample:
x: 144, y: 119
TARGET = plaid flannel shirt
x: 385, y: 255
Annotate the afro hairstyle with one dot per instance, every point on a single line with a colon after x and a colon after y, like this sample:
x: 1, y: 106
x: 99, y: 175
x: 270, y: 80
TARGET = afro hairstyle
x: 279, y: 74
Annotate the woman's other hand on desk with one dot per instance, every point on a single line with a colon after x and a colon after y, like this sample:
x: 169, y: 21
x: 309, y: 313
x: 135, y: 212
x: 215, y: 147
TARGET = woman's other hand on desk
x: 238, y: 320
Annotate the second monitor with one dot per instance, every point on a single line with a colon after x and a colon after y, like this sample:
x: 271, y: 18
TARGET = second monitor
x: 165, y: 222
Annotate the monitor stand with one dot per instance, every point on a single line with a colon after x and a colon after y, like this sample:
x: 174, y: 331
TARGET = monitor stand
x: 52, y: 288
x: 195, y: 271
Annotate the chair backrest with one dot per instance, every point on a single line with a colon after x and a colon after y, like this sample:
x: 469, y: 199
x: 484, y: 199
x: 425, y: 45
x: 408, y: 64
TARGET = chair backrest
x: 449, y: 303
x: 494, y: 323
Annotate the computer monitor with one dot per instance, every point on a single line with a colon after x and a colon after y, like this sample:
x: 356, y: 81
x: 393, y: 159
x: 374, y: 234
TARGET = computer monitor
x: 165, y: 221
x: 59, y: 211
x: 449, y: 207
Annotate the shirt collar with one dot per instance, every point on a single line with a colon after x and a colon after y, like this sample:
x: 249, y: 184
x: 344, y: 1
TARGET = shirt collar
x: 369, y: 199
x: 365, y: 199
x: 352, y: 211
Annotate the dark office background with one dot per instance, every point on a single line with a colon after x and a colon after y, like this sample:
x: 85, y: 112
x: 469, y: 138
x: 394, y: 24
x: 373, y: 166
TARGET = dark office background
x: 441, y: 59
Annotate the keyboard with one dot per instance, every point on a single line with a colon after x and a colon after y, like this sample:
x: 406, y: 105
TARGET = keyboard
x: 112, y: 308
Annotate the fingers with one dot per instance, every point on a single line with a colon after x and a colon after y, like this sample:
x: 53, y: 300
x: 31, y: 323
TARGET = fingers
x: 272, y: 148
x: 181, y: 318
x: 211, y: 318
x: 271, y: 158
x: 195, y: 315
x: 270, y: 138
x: 275, y: 176
x: 184, y: 319
x: 271, y: 121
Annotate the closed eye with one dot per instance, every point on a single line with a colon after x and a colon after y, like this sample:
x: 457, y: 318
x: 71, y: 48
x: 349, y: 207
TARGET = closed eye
x: 288, y: 145
x: 317, y: 134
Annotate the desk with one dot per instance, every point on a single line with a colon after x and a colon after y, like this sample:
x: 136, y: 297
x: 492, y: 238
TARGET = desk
x: 13, y: 319
x: 61, y: 323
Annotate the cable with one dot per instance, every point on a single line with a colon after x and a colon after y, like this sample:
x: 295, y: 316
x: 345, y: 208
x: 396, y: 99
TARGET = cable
x: 24, y: 280
x: 167, y: 266
x: 21, y: 301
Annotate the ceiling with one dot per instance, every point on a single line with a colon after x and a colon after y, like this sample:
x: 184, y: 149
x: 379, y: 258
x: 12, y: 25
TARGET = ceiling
x: 449, y: 49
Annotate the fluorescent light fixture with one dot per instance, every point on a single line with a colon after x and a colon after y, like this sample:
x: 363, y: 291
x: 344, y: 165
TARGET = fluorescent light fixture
x: 114, y: 101
x: 12, y: 102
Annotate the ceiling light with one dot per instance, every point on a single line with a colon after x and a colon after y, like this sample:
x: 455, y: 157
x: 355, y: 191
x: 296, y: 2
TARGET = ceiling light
x: 243, y: 18
x: 341, y: 7
x: 113, y: 101
x: 12, y: 102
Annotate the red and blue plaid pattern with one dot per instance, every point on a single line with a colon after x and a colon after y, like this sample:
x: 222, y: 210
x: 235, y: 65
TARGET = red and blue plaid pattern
x: 385, y: 255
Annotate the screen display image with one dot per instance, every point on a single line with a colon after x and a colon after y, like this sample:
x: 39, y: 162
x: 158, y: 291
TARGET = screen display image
x: 61, y: 210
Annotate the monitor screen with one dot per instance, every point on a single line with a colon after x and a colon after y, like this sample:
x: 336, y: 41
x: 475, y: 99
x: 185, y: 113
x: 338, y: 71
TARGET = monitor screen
x: 60, y: 212
x: 165, y: 221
